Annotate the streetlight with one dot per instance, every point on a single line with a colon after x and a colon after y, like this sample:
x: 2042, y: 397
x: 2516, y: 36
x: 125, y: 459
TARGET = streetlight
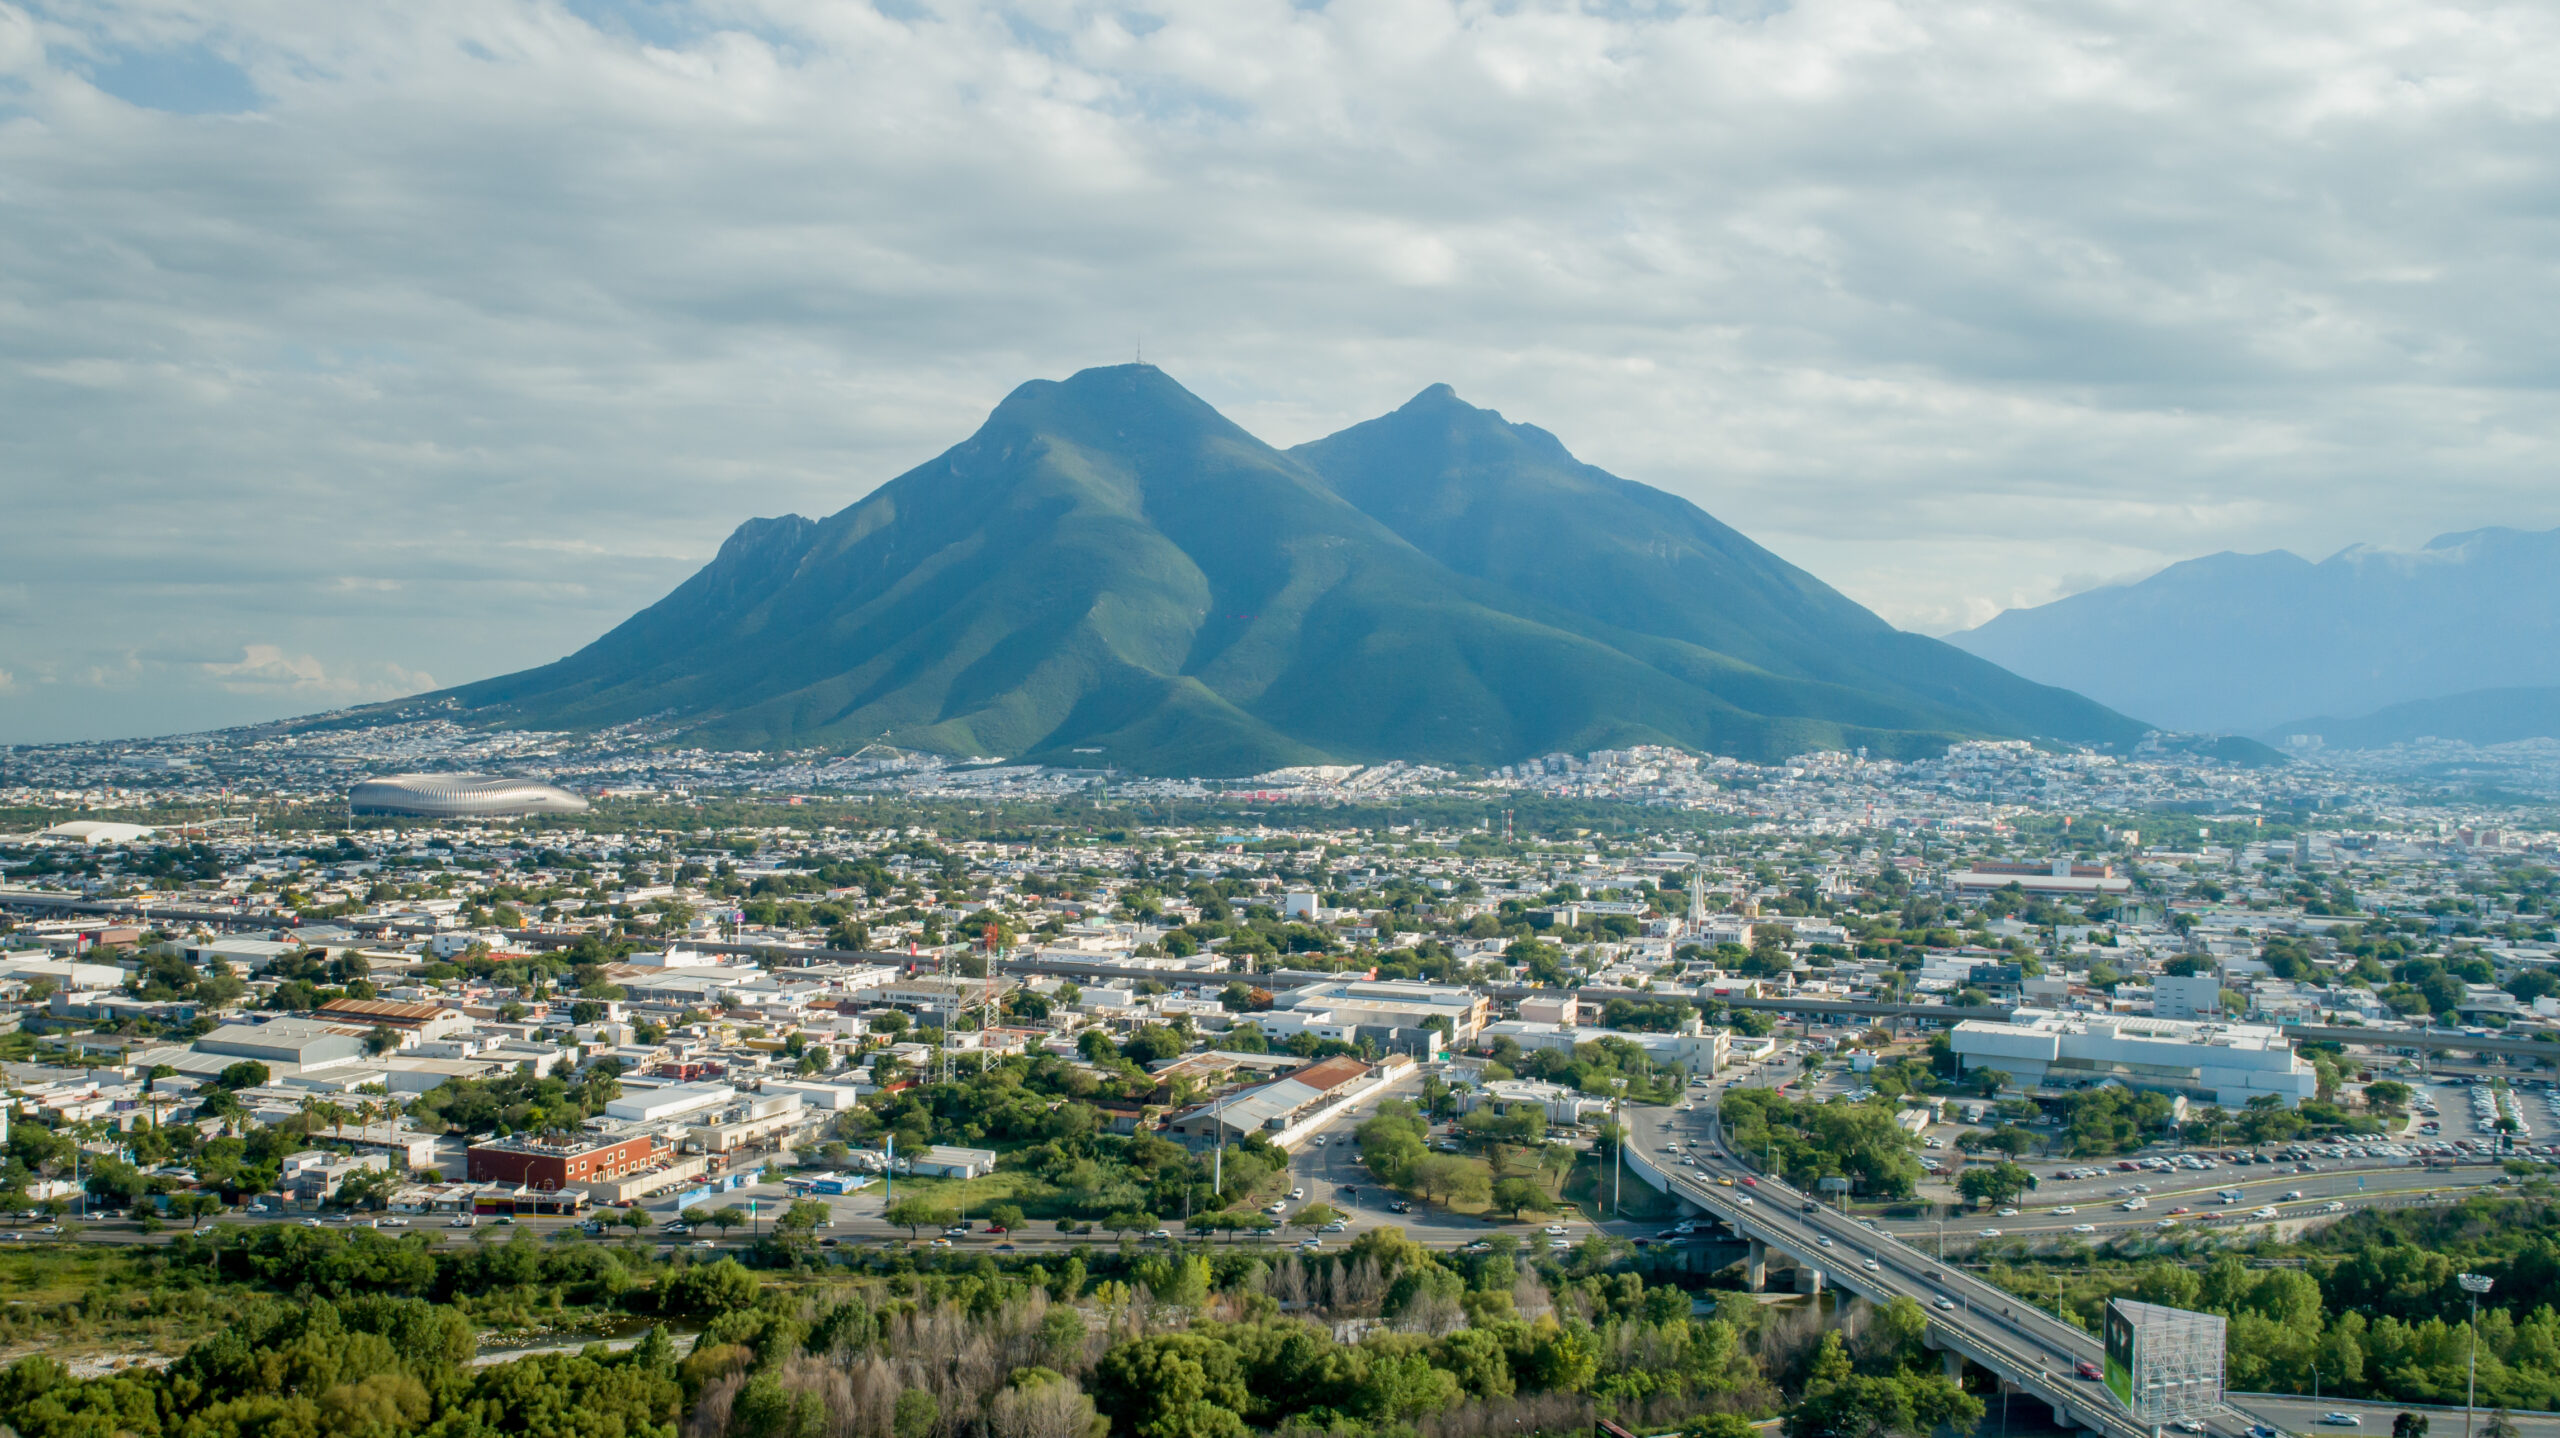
x: 1618, y: 1181
x: 2474, y: 1284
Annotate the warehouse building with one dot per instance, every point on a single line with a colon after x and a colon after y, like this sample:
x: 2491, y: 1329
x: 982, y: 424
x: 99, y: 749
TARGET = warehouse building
x: 2227, y: 1064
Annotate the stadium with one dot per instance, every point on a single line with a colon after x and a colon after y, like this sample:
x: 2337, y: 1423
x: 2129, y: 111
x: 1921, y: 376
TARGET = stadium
x: 460, y: 796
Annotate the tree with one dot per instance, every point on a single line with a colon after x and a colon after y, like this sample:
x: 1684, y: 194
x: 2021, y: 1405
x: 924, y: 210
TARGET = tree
x: 725, y: 1219
x: 802, y: 1219
x: 916, y: 1415
x: 1174, y: 1385
x: 2002, y: 1182
x: 1315, y: 1216
x: 912, y: 1214
x: 248, y: 1073
x: 2501, y: 1424
x: 1989, y: 1081
x: 1008, y: 1216
x: 1516, y: 1196
x: 2409, y: 1425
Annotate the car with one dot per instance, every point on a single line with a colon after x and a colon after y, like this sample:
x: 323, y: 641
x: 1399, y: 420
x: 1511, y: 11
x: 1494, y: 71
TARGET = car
x: 1746, y: 1200
x: 2084, y: 1228
x: 1400, y: 1206
x: 1161, y: 1233
x: 462, y: 1222
x: 2008, y: 1213
x: 2292, y: 1195
x: 1749, y: 1182
x: 1559, y: 1243
x: 1825, y: 1242
x: 1337, y: 1226
x: 2182, y: 1208
x: 2066, y: 1208
x: 2343, y: 1420
x: 829, y: 1242
x: 2087, y: 1369
x: 1724, y: 1183
x: 1297, y: 1193
x: 1943, y: 1303
x: 1554, y: 1228
x: 311, y: 1223
x: 941, y: 1243
x: 1872, y: 1266
x: 678, y: 1228
x: 1311, y: 1245
x: 1988, y: 1233
x: 1275, y: 1208
x: 2189, y: 1425
x: 393, y: 1223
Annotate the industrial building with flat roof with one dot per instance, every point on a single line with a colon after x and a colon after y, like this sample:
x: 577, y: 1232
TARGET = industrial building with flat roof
x: 2228, y: 1064
x: 1389, y: 1004
x: 1269, y: 1108
x: 561, y: 1160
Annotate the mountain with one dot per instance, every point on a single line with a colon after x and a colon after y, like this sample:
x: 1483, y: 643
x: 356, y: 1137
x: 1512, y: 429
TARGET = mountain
x: 2480, y: 716
x: 2243, y: 643
x: 1111, y: 572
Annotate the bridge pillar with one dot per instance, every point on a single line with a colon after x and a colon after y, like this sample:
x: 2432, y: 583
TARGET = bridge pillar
x: 1953, y: 1364
x: 1809, y: 1280
x: 1755, y: 1267
x: 2062, y: 1418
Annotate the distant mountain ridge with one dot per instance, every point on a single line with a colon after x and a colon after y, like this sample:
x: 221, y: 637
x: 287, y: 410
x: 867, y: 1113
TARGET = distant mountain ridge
x: 1109, y: 566
x: 2479, y: 716
x: 2248, y: 643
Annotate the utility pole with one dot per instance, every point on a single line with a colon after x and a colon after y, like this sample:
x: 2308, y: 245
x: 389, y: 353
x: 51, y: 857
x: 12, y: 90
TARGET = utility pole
x: 2474, y: 1284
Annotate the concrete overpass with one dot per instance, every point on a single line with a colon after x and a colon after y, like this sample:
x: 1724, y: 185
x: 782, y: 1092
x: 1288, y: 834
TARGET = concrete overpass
x: 1970, y: 1321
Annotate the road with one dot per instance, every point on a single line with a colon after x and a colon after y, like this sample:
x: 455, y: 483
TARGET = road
x: 2025, y: 1345
x: 2302, y: 1415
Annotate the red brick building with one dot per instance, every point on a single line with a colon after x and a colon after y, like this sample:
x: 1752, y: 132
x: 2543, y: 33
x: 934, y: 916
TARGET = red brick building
x: 562, y: 1160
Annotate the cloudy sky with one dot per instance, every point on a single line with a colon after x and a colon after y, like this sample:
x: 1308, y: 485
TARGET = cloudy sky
x: 347, y: 350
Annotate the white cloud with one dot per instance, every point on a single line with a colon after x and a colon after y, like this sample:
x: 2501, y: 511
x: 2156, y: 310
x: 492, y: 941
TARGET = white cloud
x: 267, y: 668
x: 444, y: 336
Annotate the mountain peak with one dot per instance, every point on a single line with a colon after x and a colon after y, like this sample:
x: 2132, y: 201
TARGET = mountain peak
x: 1110, y: 566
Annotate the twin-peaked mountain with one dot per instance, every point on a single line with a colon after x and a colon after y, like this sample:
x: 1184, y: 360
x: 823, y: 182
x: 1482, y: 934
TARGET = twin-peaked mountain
x: 1111, y: 573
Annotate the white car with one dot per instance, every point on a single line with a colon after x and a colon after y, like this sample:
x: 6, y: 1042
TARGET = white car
x: 1297, y: 1193
x: 2084, y: 1228
x: 1553, y: 1229
x: 2342, y: 1420
x: 1825, y: 1242
x: 1872, y: 1266
x: 1943, y: 1302
x: 1988, y: 1233
x: 2066, y: 1208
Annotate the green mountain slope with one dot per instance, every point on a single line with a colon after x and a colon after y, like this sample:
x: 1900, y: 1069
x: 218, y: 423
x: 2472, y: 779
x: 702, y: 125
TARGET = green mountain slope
x: 1110, y: 565
x: 1505, y: 503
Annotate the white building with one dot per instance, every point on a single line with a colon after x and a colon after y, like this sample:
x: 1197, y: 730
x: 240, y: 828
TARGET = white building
x: 2195, y: 996
x: 2229, y: 1064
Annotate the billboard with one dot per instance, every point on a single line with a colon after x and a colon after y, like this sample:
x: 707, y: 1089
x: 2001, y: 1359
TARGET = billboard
x: 2163, y: 1364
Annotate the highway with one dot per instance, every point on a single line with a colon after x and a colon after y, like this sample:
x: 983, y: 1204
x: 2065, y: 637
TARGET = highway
x: 2033, y: 1350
